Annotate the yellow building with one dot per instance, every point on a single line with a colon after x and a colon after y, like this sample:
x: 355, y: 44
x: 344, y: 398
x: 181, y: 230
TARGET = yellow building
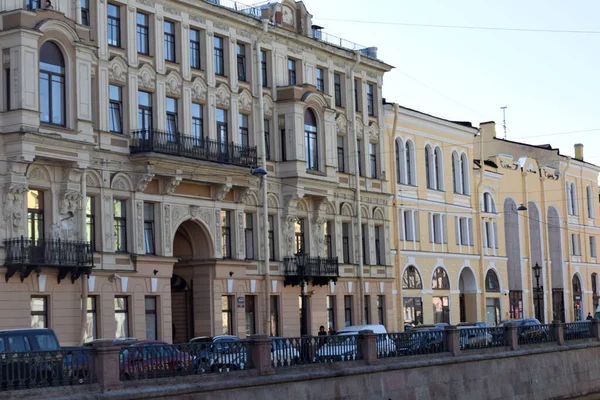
x: 468, y: 234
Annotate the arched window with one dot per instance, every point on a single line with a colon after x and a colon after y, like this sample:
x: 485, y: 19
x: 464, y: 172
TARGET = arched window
x: 439, y: 169
x: 311, y: 143
x: 572, y: 198
x: 590, y: 201
x: 464, y: 167
x: 409, y: 159
x: 440, y: 280
x: 429, y: 167
x: 456, y: 175
x: 488, y: 203
x: 399, y: 172
x: 576, y: 285
x: 52, y: 84
x: 594, y: 284
x: 411, y: 279
x: 491, y: 282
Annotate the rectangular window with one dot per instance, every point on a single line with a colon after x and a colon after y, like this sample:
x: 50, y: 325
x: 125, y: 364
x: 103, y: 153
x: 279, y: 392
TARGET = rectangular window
x: 144, y: 111
x: 346, y: 242
x: 299, y: 233
x: 575, y: 244
x: 121, y: 317
x: 169, y: 41
x: 282, y: 141
x: 85, y: 12
x: 337, y: 86
x: 115, y: 109
x: 114, y: 25
x: 441, y: 310
x: 171, y: 118
x: 226, y: 233
x: 219, y: 54
x: 356, y: 97
x: 291, y: 72
x: 243, y: 126
x: 227, y: 314
x: 593, y: 246
x: 312, y: 150
x: 149, y: 228
x: 197, y: 124
x: 340, y: 154
x: 331, y: 312
x: 151, y: 318
x: 274, y: 315
x: 359, y: 155
x: 347, y: 310
x: 143, y: 33
x: 35, y: 214
x: 373, y: 159
x: 241, y: 61
x: 328, y: 241
x: 250, y: 315
x: 222, y: 132
x: 271, y: 238
x: 90, y: 221
x: 413, y: 310
x: 39, y: 312
x: 381, y: 310
x: 320, y: 80
x: 515, y: 298
x: 364, y: 238
x: 438, y: 234
x: 34, y: 4
x: 195, y: 48
x: 91, y: 332
x: 249, y: 235
x: 367, y: 319
x: 378, y: 245
x: 263, y: 68
x: 267, y: 139
x: 120, y: 225
x: 7, y: 89
x: 370, y: 99
x: 410, y: 225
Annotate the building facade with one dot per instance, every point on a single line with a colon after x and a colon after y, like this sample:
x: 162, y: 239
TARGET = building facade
x: 469, y: 234
x: 131, y: 141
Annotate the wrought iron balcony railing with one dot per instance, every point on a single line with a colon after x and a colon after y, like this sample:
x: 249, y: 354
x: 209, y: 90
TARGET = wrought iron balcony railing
x: 26, y: 255
x: 177, y: 144
x: 317, y: 270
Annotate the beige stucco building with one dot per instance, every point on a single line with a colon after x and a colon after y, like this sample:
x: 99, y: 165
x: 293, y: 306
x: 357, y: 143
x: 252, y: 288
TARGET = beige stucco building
x: 131, y: 138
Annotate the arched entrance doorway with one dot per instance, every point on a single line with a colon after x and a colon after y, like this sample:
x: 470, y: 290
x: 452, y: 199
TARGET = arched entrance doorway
x: 191, y: 284
x: 577, y: 299
x: 467, y: 286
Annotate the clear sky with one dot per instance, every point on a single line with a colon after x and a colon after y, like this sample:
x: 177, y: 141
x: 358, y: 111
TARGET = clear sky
x: 548, y: 81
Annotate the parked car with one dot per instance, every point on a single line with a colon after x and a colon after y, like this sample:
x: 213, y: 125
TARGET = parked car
x: 472, y: 336
x: 343, y: 346
x: 527, y: 328
x: 282, y: 351
x: 581, y: 329
x: 153, y: 358
x: 421, y: 341
x: 223, y: 352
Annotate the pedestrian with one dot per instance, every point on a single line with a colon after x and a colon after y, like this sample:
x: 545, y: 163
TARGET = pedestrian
x: 322, y: 331
x: 589, y: 317
x: 331, y: 331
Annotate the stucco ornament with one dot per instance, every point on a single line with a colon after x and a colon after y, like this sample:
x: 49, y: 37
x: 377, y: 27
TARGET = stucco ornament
x: 70, y: 202
x: 174, y: 83
x: 147, y: 77
x: 341, y: 123
x: 268, y: 105
x: 117, y: 70
x: 223, y: 95
x: 289, y: 222
x: 245, y: 101
x: 14, y: 203
x: 170, y: 185
x: 168, y: 238
x: 143, y: 181
x: 199, y: 89
x: 140, y: 224
x: 221, y: 191
x: 374, y: 131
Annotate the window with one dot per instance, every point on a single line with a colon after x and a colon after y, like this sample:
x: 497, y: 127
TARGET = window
x: 226, y: 233
x: 271, y: 238
x: 121, y: 317
x: 409, y: 159
x: 267, y: 125
x: 410, y: 225
x: 593, y: 246
x: 327, y: 236
x: 491, y: 282
x: 464, y: 168
x: 359, y: 156
x: 249, y: 235
x: 169, y: 41
x: 283, y: 141
x: 219, y: 56
x: 590, y: 202
x: 434, y: 168
x: 39, y: 312
x: 381, y: 310
x: 346, y: 242
x: 515, y: 298
x: 356, y: 97
x: 243, y: 126
x: 52, y: 84
x: 373, y: 159
x: 320, y: 80
x: 310, y: 140
x: 413, y: 310
x: 299, y: 234
x: 488, y: 203
x: 337, y: 88
x: 34, y: 4
x: 440, y: 279
x: 341, y: 158
x: 35, y: 214
x: 222, y: 133
x: 250, y: 315
x: 464, y: 231
x: 456, y: 174
x: 575, y: 245
x: 114, y: 25
x: 115, y: 109
x: 149, y: 228
x: 364, y: 238
x: 90, y: 221
x: 197, y: 124
x: 91, y: 332
x: 490, y: 234
x: 441, y: 310
x: 370, y: 99
x: 347, y: 310
x: 144, y: 111
x: 227, y: 314
x: 437, y: 228
x: 367, y: 314
x: 291, y: 72
x: 572, y: 208
x: 120, y: 225
x: 241, y: 61
x: 151, y: 319
x: 378, y: 245
x: 7, y: 82
x: 331, y: 312
x: 143, y: 33
x: 263, y: 68
x: 411, y: 279
x: 171, y: 118
x: 85, y: 12
x: 195, y: 48
x: 275, y: 315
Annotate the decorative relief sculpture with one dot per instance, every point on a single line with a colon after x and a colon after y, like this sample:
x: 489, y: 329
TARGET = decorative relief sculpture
x: 108, y: 221
x: 199, y: 89
x: 14, y: 207
x: 117, y: 70
x: 173, y: 84
x: 268, y: 105
x: 221, y: 191
x: 139, y: 215
x: 168, y: 238
x: 341, y: 123
x: 170, y: 185
x: 289, y: 233
x: 143, y: 182
x: 223, y: 95
x: 245, y: 101
x: 147, y: 77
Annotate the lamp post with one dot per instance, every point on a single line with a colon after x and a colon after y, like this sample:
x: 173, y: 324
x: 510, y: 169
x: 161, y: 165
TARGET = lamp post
x: 537, y: 271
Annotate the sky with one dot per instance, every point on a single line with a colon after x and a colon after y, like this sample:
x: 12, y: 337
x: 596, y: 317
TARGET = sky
x: 548, y: 81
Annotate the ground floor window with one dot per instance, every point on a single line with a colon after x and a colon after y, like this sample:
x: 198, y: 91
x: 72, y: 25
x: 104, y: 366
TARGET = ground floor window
x: 151, y: 320
x: 413, y: 310
x: 121, y: 317
x: 347, y: 310
x: 492, y: 311
x: 92, y: 319
x: 381, y: 310
x: 331, y: 312
x: 39, y: 312
x: 227, y: 314
x: 441, y: 309
x: 274, y: 315
x: 515, y: 297
x: 250, y: 315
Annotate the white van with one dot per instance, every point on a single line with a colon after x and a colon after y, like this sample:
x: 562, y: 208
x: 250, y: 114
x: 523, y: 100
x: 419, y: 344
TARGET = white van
x: 342, y: 345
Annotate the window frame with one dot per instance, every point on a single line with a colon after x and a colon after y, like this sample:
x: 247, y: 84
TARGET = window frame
x: 337, y: 88
x: 124, y: 311
x: 381, y: 309
x: 330, y: 306
x: 250, y: 314
x: 249, y: 236
x: 299, y: 235
x: 411, y: 279
x: 90, y: 221
x: 311, y: 142
x: 264, y: 68
x: 92, y: 313
x: 142, y: 33
x: 226, y: 248
x: 113, y: 25
x: 348, y: 317
x: 115, y: 109
x: 197, y: 124
x: 346, y: 235
x: 320, y: 79
x: 219, y: 55
x: 373, y: 159
x: 43, y: 313
x: 227, y: 311
x: 370, y: 99
x: 120, y: 226
x: 271, y: 234
x: 151, y: 312
x: 243, y: 130
x: 35, y: 217
x: 341, y: 156
x: 145, y: 113
x: 172, y: 118
x: 291, y: 68
x: 240, y: 52
x: 267, y: 136
x: 149, y: 229
x: 170, y: 41
x: 195, y: 49
x: 85, y: 12
x: 54, y: 73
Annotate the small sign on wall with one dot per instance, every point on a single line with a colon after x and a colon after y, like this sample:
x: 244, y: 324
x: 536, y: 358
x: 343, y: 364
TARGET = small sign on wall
x: 241, y: 302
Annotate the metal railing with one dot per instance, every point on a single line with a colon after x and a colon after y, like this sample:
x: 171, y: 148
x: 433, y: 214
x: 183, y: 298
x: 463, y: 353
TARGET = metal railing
x: 177, y: 144
x: 336, y: 41
x: 411, y: 343
x: 534, y: 334
x: 254, y: 10
x: 47, y: 252
x: 166, y: 360
x: 288, y: 352
x: 36, y: 369
x: 482, y: 338
x: 306, y: 266
x: 577, y: 330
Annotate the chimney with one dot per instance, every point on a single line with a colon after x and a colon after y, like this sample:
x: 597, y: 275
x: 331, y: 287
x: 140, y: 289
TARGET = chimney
x: 488, y: 130
x: 579, y: 152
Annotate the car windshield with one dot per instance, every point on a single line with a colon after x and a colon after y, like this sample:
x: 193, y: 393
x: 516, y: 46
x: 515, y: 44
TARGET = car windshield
x: 46, y: 341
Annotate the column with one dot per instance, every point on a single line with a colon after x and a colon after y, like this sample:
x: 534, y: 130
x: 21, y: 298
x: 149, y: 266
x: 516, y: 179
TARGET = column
x: 185, y: 48
x: 159, y: 56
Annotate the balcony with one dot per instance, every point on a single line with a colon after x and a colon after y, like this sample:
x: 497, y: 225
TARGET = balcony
x: 315, y: 270
x: 27, y: 255
x: 177, y: 144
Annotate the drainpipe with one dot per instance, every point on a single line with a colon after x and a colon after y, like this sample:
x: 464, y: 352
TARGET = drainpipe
x: 357, y: 194
x: 84, y: 277
x: 395, y: 213
x: 479, y: 217
x: 262, y: 148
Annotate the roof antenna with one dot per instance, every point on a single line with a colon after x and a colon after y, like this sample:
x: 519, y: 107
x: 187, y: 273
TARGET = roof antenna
x: 504, y: 120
